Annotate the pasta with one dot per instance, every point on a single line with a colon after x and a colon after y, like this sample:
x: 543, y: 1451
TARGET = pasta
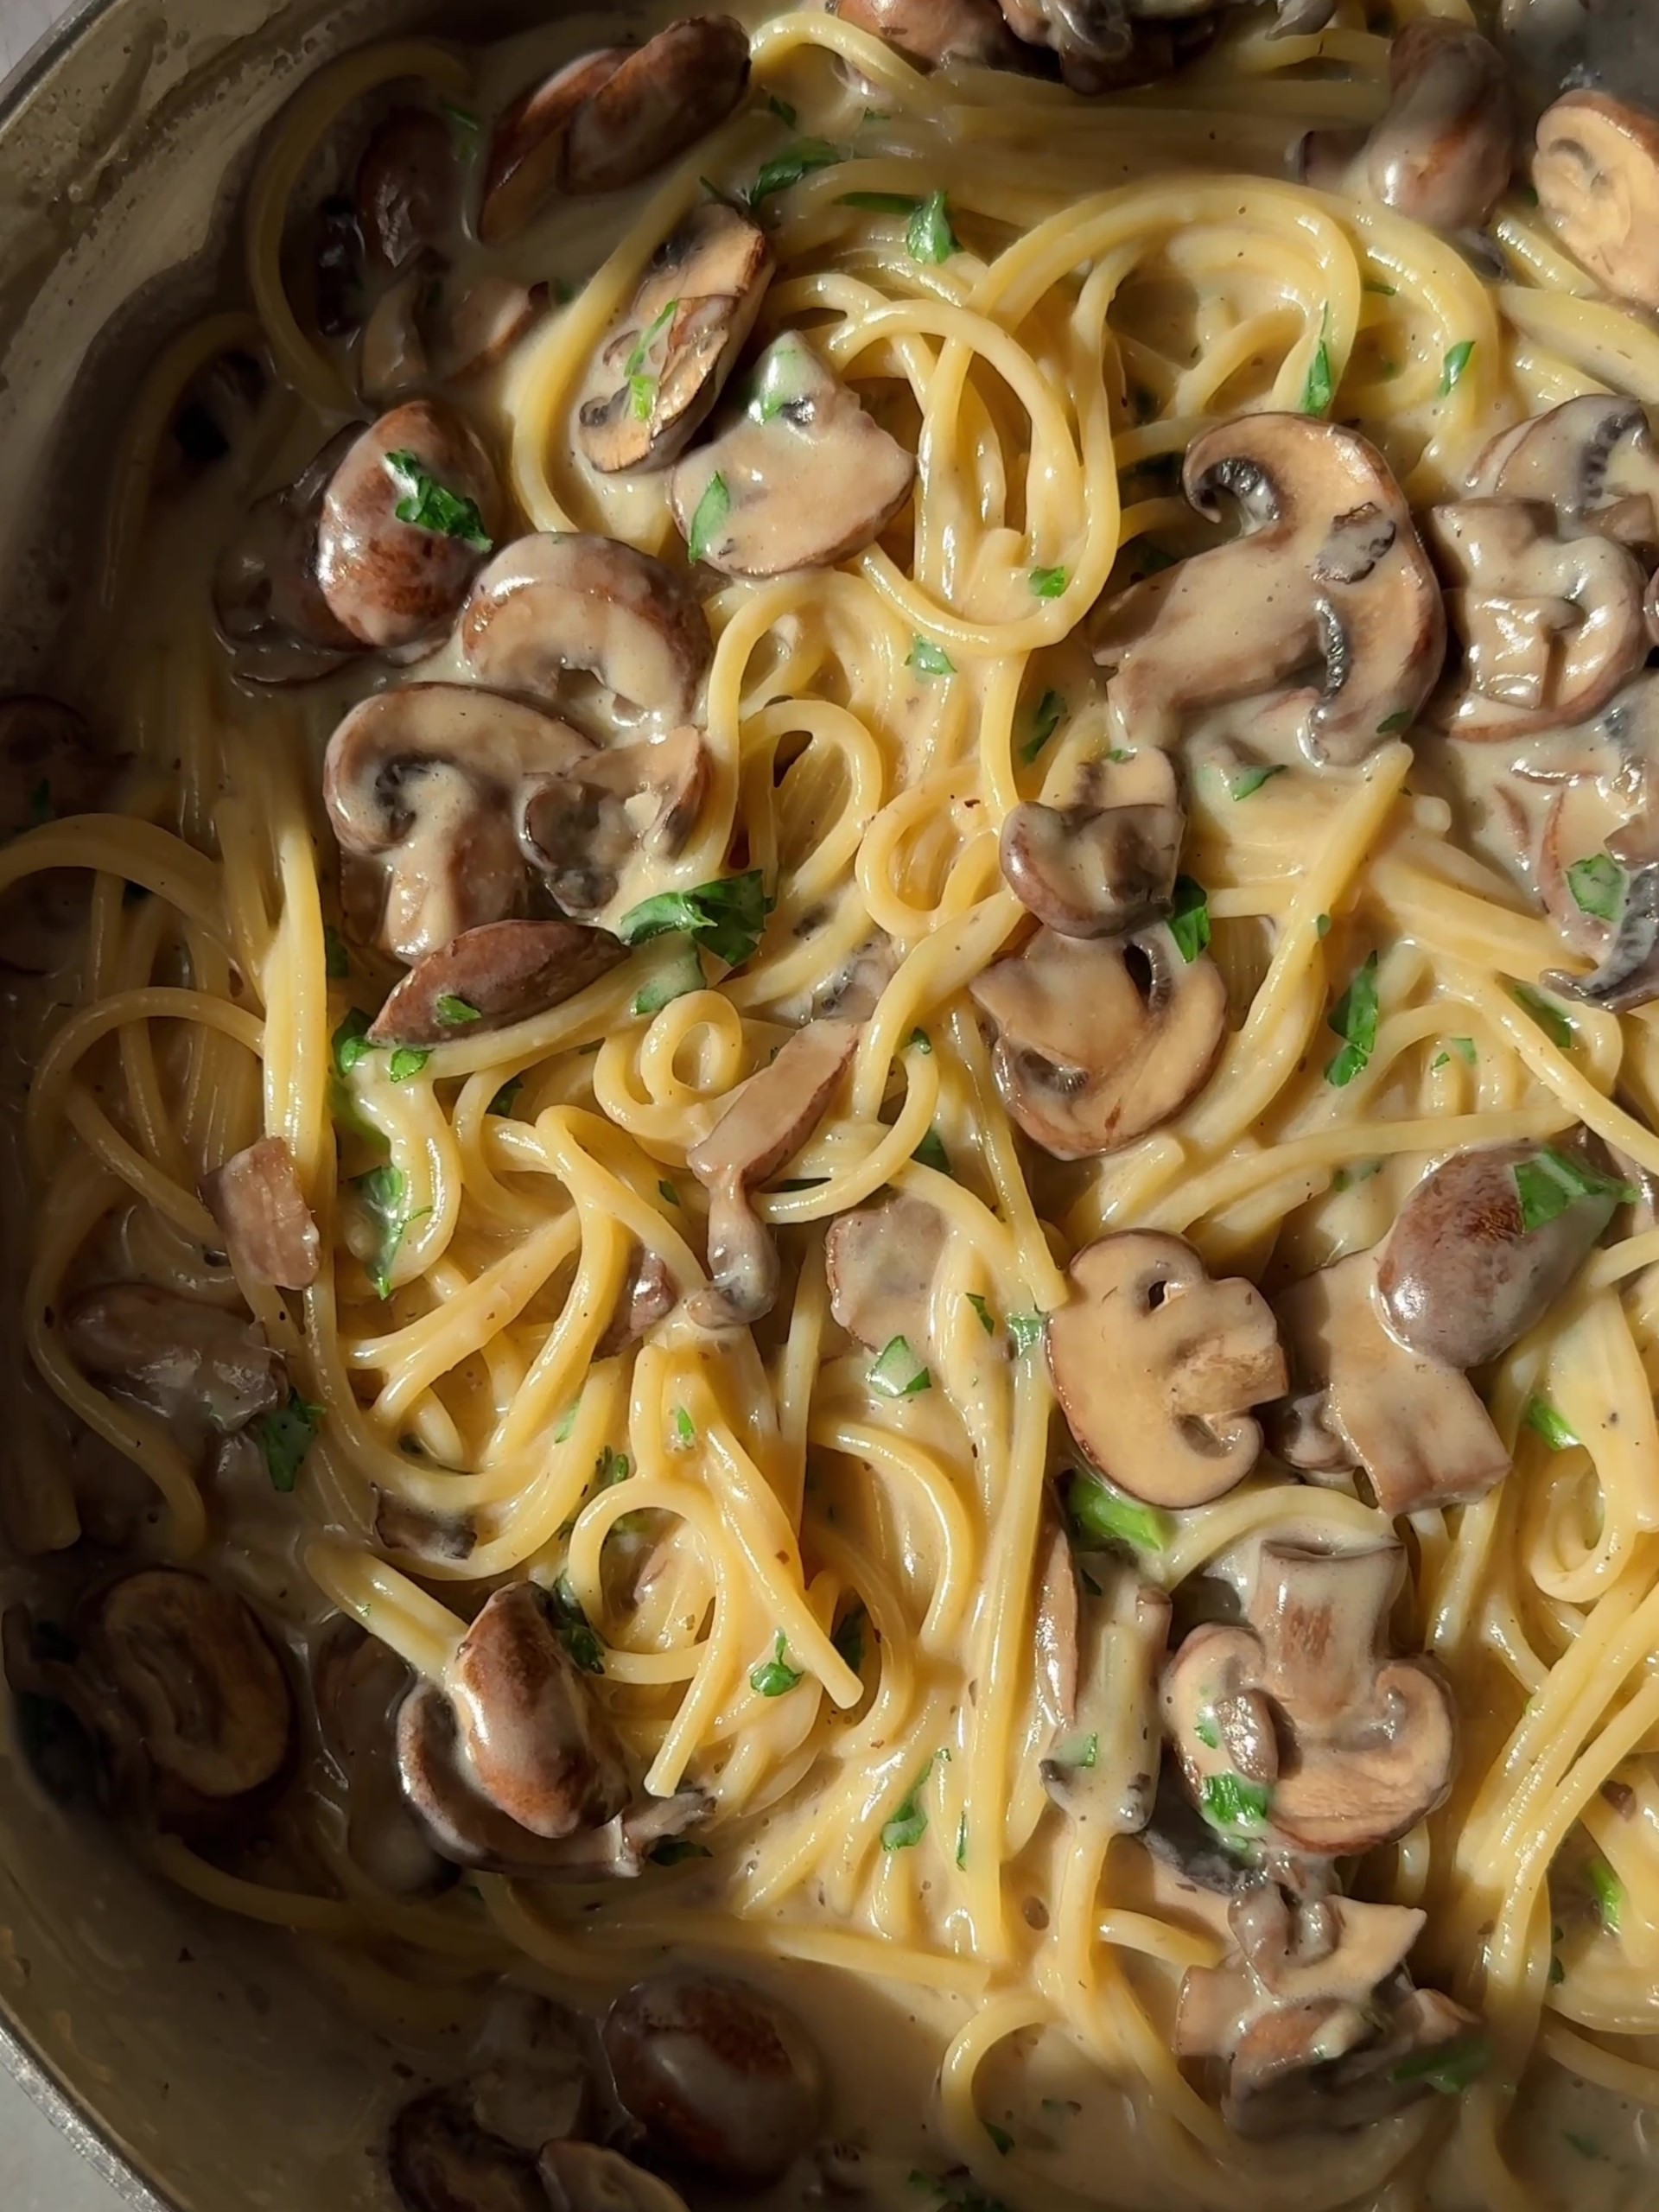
x: 805, y: 1572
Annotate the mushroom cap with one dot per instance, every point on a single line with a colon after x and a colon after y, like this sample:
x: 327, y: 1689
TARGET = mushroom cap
x: 393, y: 585
x: 537, y: 1740
x: 408, y: 186
x: 1442, y: 154
x: 1089, y: 871
x: 269, y: 1230
x: 1155, y: 1366
x: 272, y: 616
x: 1329, y: 571
x: 527, y: 148
x: 654, y: 383
x: 721, y: 2077
x: 881, y: 1262
x: 1592, y: 459
x: 1550, y: 628
x: 198, y: 1673
x: 1366, y: 1743
x: 810, y: 478
x: 679, y: 87
x: 203, y: 1370
x: 501, y: 973
x: 1461, y: 1276
x: 1627, y: 975
x: 485, y: 323
x: 1362, y: 1399
x: 1596, y: 172
x: 582, y: 828
x: 565, y: 604
x: 429, y: 781
x: 586, y: 2177
x: 1099, y: 1041
x: 932, y: 33
x: 441, y: 2160
x: 395, y: 358
x: 359, y: 1684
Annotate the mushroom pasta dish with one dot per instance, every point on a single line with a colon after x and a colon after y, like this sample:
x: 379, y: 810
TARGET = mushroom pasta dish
x: 835, y: 979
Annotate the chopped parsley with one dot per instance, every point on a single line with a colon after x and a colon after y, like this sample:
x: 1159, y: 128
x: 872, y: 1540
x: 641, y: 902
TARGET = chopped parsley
x: 1463, y: 1046
x: 1392, y: 725
x: 929, y: 659
x: 1231, y: 1803
x: 336, y: 960
x: 710, y: 517
x: 909, y: 1824
x: 1354, y: 1020
x: 1551, y: 1181
x: 667, y: 1193
x: 1347, y: 1179
x: 785, y: 113
x: 1105, y: 1516
x: 681, y: 977
x: 918, y: 1040
x: 1322, y: 926
x: 574, y: 1630
x: 685, y: 1429
x: 788, y: 168
x: 987, y: 1319
x: 350, y: 1043
x: 930, y: 1153
x: 775, y: 1677
x: 430, y: 505
x: 962, y: 1844
x: 1456, y: 362
x: 1026, y: 1332
x: 642, y: 387
x: 507, y: 1097
x: 1548, y: 1016
x: 1597, y: 886
x: 1050, y: 583
x: 1051, y: 712
x: 1189, y: 918
x: 385, y: 1194
x: 612, y: 1468
x: 849, y: 1638
x: 1077, y: 1753
x: 1543, y: 1420
x: 929, y: 237
x: 284, y: 1437
x: 1321, y: 387
x: 1448, y: 2067
x: 407, y: 1062
x: 897, y: 1373
x: 1610, y: 1894
x: 568, y: 1420
x: 728, y: 916
x: 455, y: 1013
x: 1249, y: 781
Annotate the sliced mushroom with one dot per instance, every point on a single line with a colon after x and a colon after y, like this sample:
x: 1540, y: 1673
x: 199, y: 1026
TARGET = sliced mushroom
x: 441, y: 2160
x: 269, y: 1231
x: 491, y: 977
x: 1550, y: 628
x: 1155, y: 1367
x: 1090, y: 871
x: 1103, y: 1769
x: 215, y: 417
x: 1329, y: 573
x: 487, y: 322
x: 526, y: 154
x: 1596, y: 172
x: 1360, y: 1745
x: 272, y: 616
x: 1442, y: 154
x: 932, y: 34
x: 408, y: 186
x: 393, y: 581
x: 535, y: 2069
x: 1099, y: 1042
x: 1591, y: 459
x: 359, y: 1684
x: 1192, y: 1868
x: 427, y: 1539
x: 807, y: 478
x: 585, y: 2178
x: 395, y: 358
x: 649, y: 1295
x: 198, y: 1674
x: 50, y: 767
x: 1360, y: 1399
x: 721, y: 2078
x: 337, y: 268
x: 1627, y: 975
x: 1462, y: 1276
x: 763, y: 1124
x: 1314, y: 2016
x: 424, y: 786
x: 582, y: 829
x: 678, y: 88
x: 562, y: 605
x: 881, y: 1262
x: 203, y: 1371
x: 655, y: 382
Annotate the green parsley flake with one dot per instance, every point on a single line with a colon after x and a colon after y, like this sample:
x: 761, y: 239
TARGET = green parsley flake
x: 1206, y: 1730
x: 1548, y: 1016
x: 1347, y: 1179
x: 1105, y: 1516
x: 787, y: 169
x: 728, y: 916
x: 897, y: 1373
x: 455, y: 1013
x: 849, y: 1638
x: 1051, y: 712
x: 1050, y: 583
x: 775, y: 1677
x: 1392, y: 725
x: 929, y: 659
x: 909, y: 1824
x: 430, y: 505
x: 1551, y: 1181
x: 1026, y: 1332
x: 962, y: 1844
x: 677, y: 980
x: 667, y: 1193
x: 919, y: 1042
x: 1456, y: 362
x: 785, y: 113
x: 987, y: 1319
x: 1320, y: 388
x: 385, y: 1195
x: 1448, y: 2067
x: 1189, y: 918
x: 336, y: 960
x: 712, y: 511
x: 1597, y: 886
x: 407, y: 1062
x: 1542, y: 1418
x: 507, y: 1097
x: 1610, y: 1894
x: 1231, y: 1803
x: 1354, y: 1018
x: 284, y: 1437
x: 567, y: 1421
x: 1322, y: 926
x: 468, y: 130
x: 1463, y: 1046
x: 350, y: 1043
x: 576, y: 1630
x: 930, y: 1153
x: 612, y: 1468
x: 685, y: 1429
x: 929, y: 237
x: 1249, y: 781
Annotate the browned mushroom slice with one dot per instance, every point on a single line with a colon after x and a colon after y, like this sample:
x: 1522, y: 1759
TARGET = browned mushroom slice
x: 441, y: 2160
x: 491, y: 977
x: 408, y: 186
x: 1351, y: 1746
x: 1329, y: 573
x: 1442, y: 154
x: 582, y: 829
x: 214, y: 419
x: 197, y: 1672
x: 932, y: 34
x: 50, y: 767
x: 1155, y: 1367
x: 649, y: 1295
x: 1597, y: 175
x: 359, y: 1684
x: 1361, y: 1400
x: 527, y: 150
x: 272, y: 616
x: 1463, y: 1275
x: 805, y: 477
x: 551, y: 610
x: 201, y: 1369
x: 721, y: 2077
x: 1098, y: 1042
x: 1627, y: 975
x: 269, y: 1230
x: 485, y: 323
x: 337, y: 271
x: 428, y: 1539
x: 764, y: 1121
x: 425, y: 783
x: 395, y: 356
x: 881, y: 1262
x: 676, y: 89
x: 1089, y: 871
x: 655, y: 381
x: 406, y: 521
x: 1550, y: 628
x: 585, y: 2178
x: 1102, y: 1768
x: 1592, y: 459
x: 1314, y: 2016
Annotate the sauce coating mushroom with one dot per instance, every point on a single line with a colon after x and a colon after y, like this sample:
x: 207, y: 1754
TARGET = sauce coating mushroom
x: 1087, y: 870
x: 203, y: 1371
x: 358, y: 1683
x: 1596, y: 172
x: 491, y: 977
x: 273, y: 618
x: 269, y: 1231
x: 1591, y: 460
